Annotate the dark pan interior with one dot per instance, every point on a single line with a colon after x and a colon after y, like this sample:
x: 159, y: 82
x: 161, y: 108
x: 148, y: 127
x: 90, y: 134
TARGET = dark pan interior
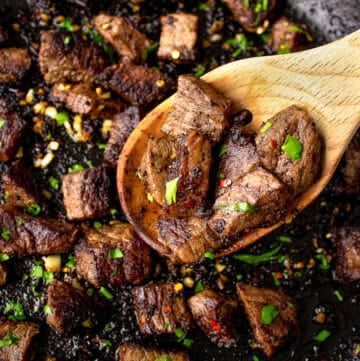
x: 312, y: 289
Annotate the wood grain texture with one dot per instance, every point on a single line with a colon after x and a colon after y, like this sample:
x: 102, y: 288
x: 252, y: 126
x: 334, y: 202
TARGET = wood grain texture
x: 325, y: 81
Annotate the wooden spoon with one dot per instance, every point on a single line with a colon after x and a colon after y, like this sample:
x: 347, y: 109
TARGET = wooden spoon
x: 325, y: 81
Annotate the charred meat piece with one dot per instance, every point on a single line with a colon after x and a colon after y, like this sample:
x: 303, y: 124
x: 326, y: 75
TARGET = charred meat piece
x: 178, y: 39
x: 77, y: 60
x: 138, y: 84
x: 3, y: 274
x: 254, y: 14
x: 272, y: 316
x: 348, y: 254
x: 160, y: 309
x: 21, y: 337
x: 130, y: 43
x: 197, y: 106
x: 238, y: 157
x: 12, y: 130
x: 288, y: 36
x: 257, y: 199
x: 122, y: 125
x: 22, y: 234
x: 72, y: 309
x: 113, y: 254
x: 132, y: 352
x: 186, y: 239
x: 19, y: 185
x: 351, y: 170
x: 291, y: 148
x: 86, y: 193
x: 193, y: 174
x: 14, y: 63
x: 213, y: 313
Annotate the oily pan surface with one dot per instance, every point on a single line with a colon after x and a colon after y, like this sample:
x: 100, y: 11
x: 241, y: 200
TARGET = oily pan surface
x: 311, y: 288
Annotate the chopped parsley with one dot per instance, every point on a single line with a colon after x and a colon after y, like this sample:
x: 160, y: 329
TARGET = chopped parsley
x: 61, y: 118
x: 97, y: 224
x: 163, y: 358
x: 2, y: 123
x: 115, y: 253
x: 266, y: 127
x: 198, y: 287
x: 15, y: 311
x: 10, y: 340
x: 101, y: 146
x: 67, y: 24
x: 259, y: 258
x: 285, y: 239
x: 324, y: 264
x: 47, y: 310
x: 5, y: 234
x: 152, y: 48
x: 292, y: 147
x: 223, y: 150
x: 106, y: 293
x: 4, y: 257
x: 339, y: 296
x: 200, y: 71
x: 240, y: 207
x: 269, y: 314
x: 181, y: 337
x: 34, y: 209
x: 171, y: 190
x: 54, y: 183
x: 322, y: 335
x: 67, y: 40
x: 76, y: 168
x: 203, y: 7
x: 209, y: 255
x: 71, y: 263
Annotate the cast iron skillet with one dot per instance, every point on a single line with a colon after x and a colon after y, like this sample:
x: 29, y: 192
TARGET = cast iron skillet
x: 312, y: 289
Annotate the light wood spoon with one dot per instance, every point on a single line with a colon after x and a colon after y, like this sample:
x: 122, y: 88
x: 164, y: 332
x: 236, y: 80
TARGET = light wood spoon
x: 325, y: 81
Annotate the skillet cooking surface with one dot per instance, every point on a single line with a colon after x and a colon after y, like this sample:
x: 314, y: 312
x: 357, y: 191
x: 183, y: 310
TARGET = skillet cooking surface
x: 312, y: 288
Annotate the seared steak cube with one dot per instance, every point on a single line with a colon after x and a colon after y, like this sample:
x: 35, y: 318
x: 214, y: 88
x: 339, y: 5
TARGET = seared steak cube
x: 291, y: 148
x: 22, y: 338
x: 254, y: 14
x: 113, y: 254
x: 12, y: 130
x: 19, y: 185
x: 86, y: 193
x: 272, y: 316
x: 138, y: 84
x: 71, y: 309
x: 256, y: 199
x: 130, y: 43
x: 3, y: 274
x: 238, y: 156
x: 197, y: 106
x: 132, y: 352
x: 160, y: 309
x: 22, y: 234
x: 122, y: 126
x: 185, y: 239
x: 213, y: 313
x: 77, y: 60
x: 178, y: 39
x: 351, y: 170
x: 348, y: 254
x: 14, y: 63
x: 286, y: 35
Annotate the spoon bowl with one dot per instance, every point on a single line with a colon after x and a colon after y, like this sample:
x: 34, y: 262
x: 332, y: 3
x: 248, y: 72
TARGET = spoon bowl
x: 325, y: 81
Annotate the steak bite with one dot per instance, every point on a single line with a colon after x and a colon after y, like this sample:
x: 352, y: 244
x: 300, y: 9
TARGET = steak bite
x: 113, y: 254
x: 122, y: 126
x: 254, y: 14
x: 138, y: 84
x: 12, y: 131
x: 72, y: 310
x: 77, y: 60
x: 19, y: 185
x: 159, y: 309
x: 238, y: 157
x: 213, y: 313
x: 130, y: 43
x: 21, y: 338
x: 197, y: 106
x: 86, y: 193
x: 132, y: 352
x: 272, y: 316
x: 185, y: 239
x: 22, y: 234
x: 178, y: 39
x: 14, y: 63
x: 348, y: 254
x: 291, y: 148
x: 256, y: 199
x: 286, y: 35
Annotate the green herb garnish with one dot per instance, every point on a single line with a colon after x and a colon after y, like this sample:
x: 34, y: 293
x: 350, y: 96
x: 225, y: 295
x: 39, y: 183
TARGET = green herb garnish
x: 203, y: 7
x: 2, y: 123
x: 338, y: 295
x: 240, y: 207
x: 223, y: 150
x: 292, y: 147
x: 268, y: 314
x: 5, y: 234
x: 163, y: 358
x: 322, y: 336
x: 4, y: 257
x: 115, y: 253
x: 61, y: 118
x: 75, y: 168
x: 152, y: 48
x: 47, y: 310
x: 97, y: 224
x: 181, y: 337
x: 15, y: 311
x: 266, y: 127
x: 200, y: 71
x: 54, y: 183
x: 171, y: 190
x: 67, y: 24
x: 198, y: 287
x: 34, y: 209
x: 209, y: 255
x: 285, y: 239
x: 71, y: 263
x: 259, y: 258
x: 67, y: 40
x: 106, y: 293
x: 10, y: 340
x: 324, y: 264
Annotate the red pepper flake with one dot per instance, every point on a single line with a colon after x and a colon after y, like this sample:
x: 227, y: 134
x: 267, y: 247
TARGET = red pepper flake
x: 223, y: 183
x: 273, y: 143
x: 167, y: 309
x: 214, y: 325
